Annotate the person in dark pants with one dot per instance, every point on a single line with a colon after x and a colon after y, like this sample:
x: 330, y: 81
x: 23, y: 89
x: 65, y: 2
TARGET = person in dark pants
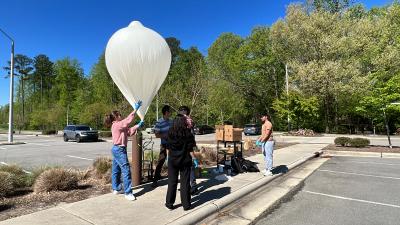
x: 181, y: 158
x: 161, y: 130
x: 185, y: 111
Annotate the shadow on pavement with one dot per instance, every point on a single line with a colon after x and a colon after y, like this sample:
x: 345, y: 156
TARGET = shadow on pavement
x: 209, y: 195
x: 147, y: 187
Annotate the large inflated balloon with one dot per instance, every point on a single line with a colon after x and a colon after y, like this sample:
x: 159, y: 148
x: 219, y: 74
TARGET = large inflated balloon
x: 138, y: 60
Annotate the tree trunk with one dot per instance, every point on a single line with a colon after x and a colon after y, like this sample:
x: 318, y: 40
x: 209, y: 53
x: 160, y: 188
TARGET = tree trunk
x: 326, y: 115
x: 23, y: 103
x: 275, y: 82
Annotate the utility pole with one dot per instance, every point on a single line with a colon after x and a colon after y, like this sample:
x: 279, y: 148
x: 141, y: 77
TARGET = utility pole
x: 387, y: 128
x: 67, y: 114
x: 11, y: 101
x: 287, y: 93
x: 157, y: 108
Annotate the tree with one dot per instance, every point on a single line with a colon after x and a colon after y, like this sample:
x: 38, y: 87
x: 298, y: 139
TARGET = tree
x: 303, y: 110
x: 186, y: 81
x: 332, y: 6
x: 43, y: 77
x: 323, y: 51
x: 23, y: 68
x: 104, y: 89
x: 69, y: 79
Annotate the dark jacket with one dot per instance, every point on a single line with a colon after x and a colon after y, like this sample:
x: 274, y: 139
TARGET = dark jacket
x: 180, y: 148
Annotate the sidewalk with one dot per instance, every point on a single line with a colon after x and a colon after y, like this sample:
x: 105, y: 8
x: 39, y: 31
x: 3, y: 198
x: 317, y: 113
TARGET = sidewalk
x: 149, y: 206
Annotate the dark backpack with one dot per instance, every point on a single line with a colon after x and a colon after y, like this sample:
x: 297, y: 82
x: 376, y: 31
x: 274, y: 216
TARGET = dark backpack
x: 236, y: 165
x: 249, y: 166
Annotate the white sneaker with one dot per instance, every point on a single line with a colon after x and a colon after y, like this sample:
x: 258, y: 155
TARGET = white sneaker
x: 268, y: 173
x: 130, y: 197
x: 115, y: 192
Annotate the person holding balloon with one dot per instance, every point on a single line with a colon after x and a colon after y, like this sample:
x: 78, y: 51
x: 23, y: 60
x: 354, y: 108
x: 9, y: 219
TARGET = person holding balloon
x: 180, y: 160
x: 120, y: 165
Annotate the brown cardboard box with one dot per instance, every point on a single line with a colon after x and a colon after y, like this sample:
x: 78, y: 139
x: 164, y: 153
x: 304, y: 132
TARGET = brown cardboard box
x: 232, y: 134
x: 219, y: 132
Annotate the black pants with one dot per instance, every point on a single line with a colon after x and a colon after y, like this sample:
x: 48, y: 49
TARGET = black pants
x: 161, y: 160
x: 173, y: 183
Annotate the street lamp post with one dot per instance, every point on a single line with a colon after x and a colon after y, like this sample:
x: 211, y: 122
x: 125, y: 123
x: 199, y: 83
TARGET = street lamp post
x: 386, y: 122
x: 11, y: 103
x: 287, y: 93
x: 387, y: 128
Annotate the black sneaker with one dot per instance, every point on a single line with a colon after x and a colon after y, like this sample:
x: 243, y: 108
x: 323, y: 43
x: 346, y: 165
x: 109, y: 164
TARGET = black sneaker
x: 169, y: 207
x: 189, y: 208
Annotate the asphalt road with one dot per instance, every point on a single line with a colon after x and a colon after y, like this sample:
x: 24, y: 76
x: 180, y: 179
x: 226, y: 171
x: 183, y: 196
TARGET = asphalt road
x: 50, y: 150
x: 345, y: 191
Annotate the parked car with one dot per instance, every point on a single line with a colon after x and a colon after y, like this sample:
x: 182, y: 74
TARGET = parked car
x: 80, y: 133
x: 252, y: 129
x: 203, y: 129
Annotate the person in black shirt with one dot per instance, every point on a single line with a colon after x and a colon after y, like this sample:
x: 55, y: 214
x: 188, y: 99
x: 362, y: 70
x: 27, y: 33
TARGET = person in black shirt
x: 180, y: 160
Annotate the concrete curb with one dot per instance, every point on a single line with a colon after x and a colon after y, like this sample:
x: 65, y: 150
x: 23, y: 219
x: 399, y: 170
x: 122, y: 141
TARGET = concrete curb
x: 216, y: 206
x: 362, y: 154
x: 13, y: 143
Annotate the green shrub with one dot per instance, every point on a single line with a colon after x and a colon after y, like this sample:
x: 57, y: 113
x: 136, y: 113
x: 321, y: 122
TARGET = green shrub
x: 49, y: 132
x: 343, y: 141
x: 105, y: 134
x: 18, y: 176
x: 35, y: 174
x: 6, y: 184
x: 359, y: 142
x: 101, y: 165
x: 56, y: 179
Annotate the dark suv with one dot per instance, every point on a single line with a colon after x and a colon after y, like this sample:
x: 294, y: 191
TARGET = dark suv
x: 80, y: 133
x: 203, y: 129
x: 252, y: 129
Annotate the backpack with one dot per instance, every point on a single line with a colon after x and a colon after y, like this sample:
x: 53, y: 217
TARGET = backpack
x: 236, y: 165
x: 249, y: 166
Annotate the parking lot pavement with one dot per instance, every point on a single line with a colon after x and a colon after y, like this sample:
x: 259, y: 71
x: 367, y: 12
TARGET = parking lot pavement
x: 52, y: 151
x: 346, y: 191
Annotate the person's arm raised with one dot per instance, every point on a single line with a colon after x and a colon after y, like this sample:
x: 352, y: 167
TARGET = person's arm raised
x: 131, y: 116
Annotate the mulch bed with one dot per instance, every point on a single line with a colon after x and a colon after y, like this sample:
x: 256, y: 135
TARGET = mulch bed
x: 25, y: 201
x: 370, y: 148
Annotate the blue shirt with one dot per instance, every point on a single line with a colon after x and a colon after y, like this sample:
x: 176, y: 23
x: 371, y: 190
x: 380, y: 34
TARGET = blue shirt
x: 162, y: 127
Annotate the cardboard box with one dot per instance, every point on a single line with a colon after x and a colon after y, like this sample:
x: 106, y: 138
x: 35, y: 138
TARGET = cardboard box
x: 232, y: 134
x: 219, y: 132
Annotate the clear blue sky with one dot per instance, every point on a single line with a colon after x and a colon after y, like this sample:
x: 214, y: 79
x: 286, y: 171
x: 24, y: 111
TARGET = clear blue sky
x: 80, y: 29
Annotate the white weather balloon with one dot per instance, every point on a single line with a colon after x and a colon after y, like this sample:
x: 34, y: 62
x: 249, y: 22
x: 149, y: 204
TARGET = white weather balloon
x: 138, y: 60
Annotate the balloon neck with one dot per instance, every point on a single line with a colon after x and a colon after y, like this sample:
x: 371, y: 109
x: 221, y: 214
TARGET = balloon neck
x: 135, y: 24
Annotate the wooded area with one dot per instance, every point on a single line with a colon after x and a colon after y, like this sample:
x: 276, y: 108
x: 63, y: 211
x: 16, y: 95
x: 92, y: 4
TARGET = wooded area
x: 343, y: 70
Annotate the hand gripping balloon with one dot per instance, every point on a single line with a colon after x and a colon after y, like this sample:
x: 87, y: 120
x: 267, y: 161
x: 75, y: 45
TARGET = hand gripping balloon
x: 138, y: 60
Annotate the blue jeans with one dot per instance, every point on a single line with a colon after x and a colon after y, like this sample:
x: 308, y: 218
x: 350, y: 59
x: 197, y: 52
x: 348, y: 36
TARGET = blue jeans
x: 120, y: 165
x: 268, y: 149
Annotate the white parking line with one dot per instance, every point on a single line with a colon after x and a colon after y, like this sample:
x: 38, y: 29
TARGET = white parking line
x: 352, y: 199
x: 39, y: 144
x: 3, y: 148
x: 388, y: 164
x: 79, y: 157
x: 26, y: 171
x: 360, y: 174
